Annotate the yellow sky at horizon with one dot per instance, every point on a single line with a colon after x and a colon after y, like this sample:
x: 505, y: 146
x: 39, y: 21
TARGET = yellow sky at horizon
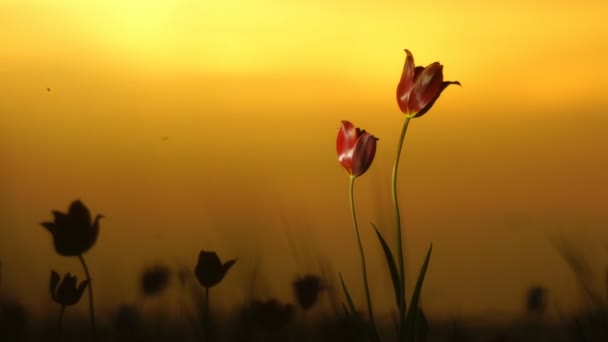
x: 259, y: 88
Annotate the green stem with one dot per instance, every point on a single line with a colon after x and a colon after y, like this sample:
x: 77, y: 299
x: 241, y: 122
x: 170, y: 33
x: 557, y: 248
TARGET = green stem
x: 362, y: 255
x: 60, y: 324
x: 91, y: 305
x: 402, y: 300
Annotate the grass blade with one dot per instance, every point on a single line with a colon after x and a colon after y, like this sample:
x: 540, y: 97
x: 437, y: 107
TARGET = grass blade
x: 349, y: 301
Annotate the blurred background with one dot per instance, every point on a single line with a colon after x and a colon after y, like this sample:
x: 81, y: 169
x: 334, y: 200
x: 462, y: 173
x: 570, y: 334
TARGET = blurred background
x: 211, y: 125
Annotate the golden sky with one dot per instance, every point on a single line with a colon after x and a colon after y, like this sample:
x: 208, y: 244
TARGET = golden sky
x: 250, y: 95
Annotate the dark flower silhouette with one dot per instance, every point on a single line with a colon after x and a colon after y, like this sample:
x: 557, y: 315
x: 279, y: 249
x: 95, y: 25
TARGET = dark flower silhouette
x: 536, y: 300
x: 67, y: 292
x: 209, y: 270
x: 155, y: 279
x: 420, y: 87
x: 73, y: 233
x: 271, y: 315
x: 356, y: 149
x: 306, y: 290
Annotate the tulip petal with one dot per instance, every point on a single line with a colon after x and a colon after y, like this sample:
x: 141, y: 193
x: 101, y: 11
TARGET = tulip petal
x: 226, y: 267
x: 50, y: 226
x: 80, y: 290
x: 345, y: 142
x: 428, y: 106
x: 78, y: 212
x: 363, y: 155
x: 405, y: 83
x: 53, y: 283
x: 426, y: 87
x: 347, y: 137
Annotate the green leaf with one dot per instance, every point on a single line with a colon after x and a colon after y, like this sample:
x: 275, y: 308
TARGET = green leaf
x: 390, y: 261
x: 410, y: 322
x: 351, y: 306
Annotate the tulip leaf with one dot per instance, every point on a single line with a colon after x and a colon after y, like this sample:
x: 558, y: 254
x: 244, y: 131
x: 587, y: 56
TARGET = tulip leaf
x: 414, y: 311
x: 351, y: 306
x: 390, y: 261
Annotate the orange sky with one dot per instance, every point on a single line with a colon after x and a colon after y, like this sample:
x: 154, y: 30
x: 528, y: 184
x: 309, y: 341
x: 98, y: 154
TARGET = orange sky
x: 251, y: 94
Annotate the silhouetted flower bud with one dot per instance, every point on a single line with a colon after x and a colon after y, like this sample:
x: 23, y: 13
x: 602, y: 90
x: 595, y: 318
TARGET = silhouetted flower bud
x: 155, y: 279
x: 209, y: 270
x: 536, y: 300
x: 73, y: 233
x: 306, y: 290
x: 66, y: 293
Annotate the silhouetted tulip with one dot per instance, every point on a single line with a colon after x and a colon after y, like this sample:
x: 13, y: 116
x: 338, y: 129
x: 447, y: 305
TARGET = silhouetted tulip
x: 536, y: 300
x: 271, y: 315
x: 73, y: 233
x: 420, y: 87
x: 66, y: 293
x: 356, y: 149
x: 155, y: 279
x: 209, y: 270
x: 306, y: 290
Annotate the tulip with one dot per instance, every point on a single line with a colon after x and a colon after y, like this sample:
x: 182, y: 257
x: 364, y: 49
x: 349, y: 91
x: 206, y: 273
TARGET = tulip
x: 306, y: 290
x: 356, y: 149
x: 66, y: 293
x: 417, y: 91
x: 73, y: 233
x: 154, y: 280
x: 209, y: 270
x: 420, y: 87
x: 536, y: 300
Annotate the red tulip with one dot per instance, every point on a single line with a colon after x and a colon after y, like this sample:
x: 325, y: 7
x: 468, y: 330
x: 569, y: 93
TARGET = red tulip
x: 356, y: 149
x: 420, y: 87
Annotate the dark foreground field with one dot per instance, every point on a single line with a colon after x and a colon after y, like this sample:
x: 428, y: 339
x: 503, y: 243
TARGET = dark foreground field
x: 268, y: 321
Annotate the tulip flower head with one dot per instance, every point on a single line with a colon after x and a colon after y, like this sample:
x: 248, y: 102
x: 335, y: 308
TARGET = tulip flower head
x: 420, y: 87
x: 73, y: 233
x: 154, y: 280
x: 209, y: 270
x: 66, y: 293
x: 306, y: 290
x: 356, y: 149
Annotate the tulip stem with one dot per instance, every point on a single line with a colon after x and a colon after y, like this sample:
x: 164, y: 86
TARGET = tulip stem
x: 60, y: 323
x: 91, y: 305
x: 401, y: 296
x: 362, y: 255
x: 206, y: 314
